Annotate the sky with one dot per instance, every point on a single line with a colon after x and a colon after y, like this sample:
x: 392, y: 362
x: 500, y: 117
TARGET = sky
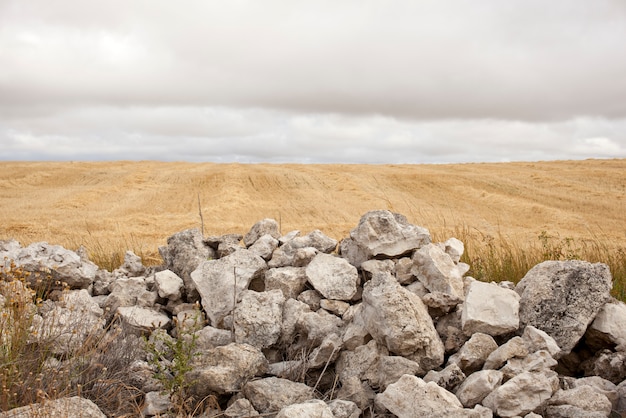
x: 324, y: 81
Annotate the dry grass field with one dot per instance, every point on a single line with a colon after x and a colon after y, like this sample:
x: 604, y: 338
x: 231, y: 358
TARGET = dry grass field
x: 113, y: 206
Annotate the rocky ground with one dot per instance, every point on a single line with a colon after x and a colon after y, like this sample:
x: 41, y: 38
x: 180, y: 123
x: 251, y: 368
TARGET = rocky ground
x: 383, y: 323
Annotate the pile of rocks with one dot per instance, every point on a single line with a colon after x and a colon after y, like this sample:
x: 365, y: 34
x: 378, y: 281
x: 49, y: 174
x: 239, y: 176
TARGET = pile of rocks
x: 384, y: 323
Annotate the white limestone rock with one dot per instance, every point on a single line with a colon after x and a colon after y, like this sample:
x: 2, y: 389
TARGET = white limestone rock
x: 333, y: 277
x: 477, y: 386
x: 258, y: 318
x: 169, y: 285
x: 490, y: 309
x: 436, y: 270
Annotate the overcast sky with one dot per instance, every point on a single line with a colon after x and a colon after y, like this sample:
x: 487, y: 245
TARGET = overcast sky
x: 356, y: 81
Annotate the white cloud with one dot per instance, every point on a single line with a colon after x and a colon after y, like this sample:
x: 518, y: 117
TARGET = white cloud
x: 278, y: 80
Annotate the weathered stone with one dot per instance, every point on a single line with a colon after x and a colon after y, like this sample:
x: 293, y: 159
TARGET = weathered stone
x: 477, y: 386
x: 370, y: 267
x: 338, y: 307
x: 318, y: 325
x: 221, y: 282
x: 621, y: 397
x: 132, y: 265
x: 286, y: 254
x: 399, y: 320
x: 355, y: 332
x: 264, y: 247
x: 436, y: 270
x: 303, y: 256
x: 169, y: 285
x: 600, y: 385
x: 344, y: 409
x: 141, y: 321
x: 609, y: 325
x: 454, y: 248
x: 383, y: 233
x: 535, y: 339
x: 272, y: 393
x: 522, y: 394
x: 241, y: 408
x: 392, y: 368
x: 227, y: 244
x: 313, y: 408
x: 312, y: 298
x: 156, y: 403
x: 351, y: 251
x: 563, y: 297
x: 292, y: 314
x: 210, y: 337
x: 226, y: 369
x: 472, y: 356
x: 582, y: 401
x: 326, y: 353
x: 289, y: 369
x: 449, y: 378
x: 440, y: 304
x: 534, y: 362
x: 258, y: 318
x: 490, y: 309
x: 403, y: 272
x: 184, y: 252
x: 354, y: 390
x: 411, y: 397
x: 54, y: 262
x: 127, y: 292
x: 333, y: 277
x: 362, y: 363
x: 515, y: 347
x: 263, y: 227
x: 65, y: 325
x: 64, y: 407
x: 608, y: 365
x: 449, y: 329
x: 289, y: 280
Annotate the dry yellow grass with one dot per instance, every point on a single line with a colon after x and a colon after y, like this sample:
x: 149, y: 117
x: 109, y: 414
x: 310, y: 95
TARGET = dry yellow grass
x: 137, y: 205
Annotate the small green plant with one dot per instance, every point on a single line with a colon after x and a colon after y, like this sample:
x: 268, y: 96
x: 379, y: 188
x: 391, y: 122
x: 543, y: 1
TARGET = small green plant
x: 172, y: 358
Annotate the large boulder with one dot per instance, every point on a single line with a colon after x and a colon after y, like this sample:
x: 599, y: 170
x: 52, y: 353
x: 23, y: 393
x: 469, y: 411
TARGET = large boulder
x: 333, y: 277
x: 54, y: 262
x: 490, y: 309
x: 399, y: 320
x: 186, y: 250
x: 382, y: 233
x: 220, y: 282
x: 563, y: 297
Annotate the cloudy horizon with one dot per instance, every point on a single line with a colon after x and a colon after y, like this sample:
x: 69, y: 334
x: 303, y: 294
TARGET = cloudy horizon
x: 313, y: 82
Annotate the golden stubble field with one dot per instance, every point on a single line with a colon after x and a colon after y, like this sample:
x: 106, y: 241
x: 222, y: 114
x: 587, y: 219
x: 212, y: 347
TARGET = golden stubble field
x: 112, y: 206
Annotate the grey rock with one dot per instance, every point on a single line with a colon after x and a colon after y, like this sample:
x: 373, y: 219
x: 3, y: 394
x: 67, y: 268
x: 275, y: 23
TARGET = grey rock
x: 383, y: 233
x: 258, y: 318
x: 313, y: 408
x: 337, y: 307
x: 600, y: 385
x: 522, y: 394
x: 312, y: 298
x: 403, y: 272
x: 440, y: 304
x: 399, y: 320
x: 333, y: 277
x: 362, y: 363
x: 449, y: 378
x: 142, y: 321
x: 477, y: 386
x: 608, y: 365
x: 210, y: 337
x: 355, y: 332
x: 64, y: 407
x: 132, y: 265
x: 220, y: 282
x: 411, y: 397
x: 344, y: 409
x: 226, y: 369
x: 315, y: 326
x: 241, y: 408
x: 183, y: 253
x: 515, y: 347
x: 354, y: 390
x: 436, y: 270
x: 534, y: 362
x: 609, y: 325
x: 454, y: 248
x: 326, y: 353
x: 563, y: 297
x: 272, y: 394
x: 156, y: 403
x: 392, y: 368
x: 293, y: 311
x: 472, y: 356
x: 582, y: 401
x: 286, y: 254
x: 490, y: 309
x: 264, y: 247
x: 289, y: 280
x: 169, y: 285
x: 535, y: 339
x: 263, y: 227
